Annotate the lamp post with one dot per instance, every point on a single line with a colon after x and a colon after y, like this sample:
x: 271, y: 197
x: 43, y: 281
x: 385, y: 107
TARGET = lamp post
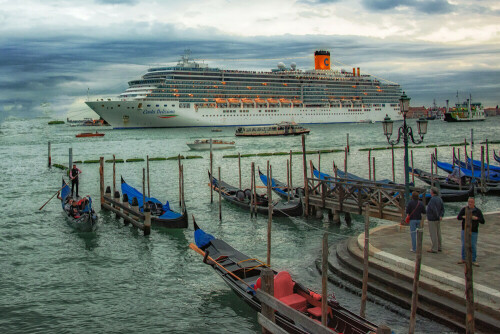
x: 406, y: 132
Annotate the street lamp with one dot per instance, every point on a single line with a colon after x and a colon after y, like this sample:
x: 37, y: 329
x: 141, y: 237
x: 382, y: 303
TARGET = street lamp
x: 407, y: 132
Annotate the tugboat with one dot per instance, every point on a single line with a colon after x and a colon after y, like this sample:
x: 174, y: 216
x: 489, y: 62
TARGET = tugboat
x: 280, y: 129
x: 89, y: 134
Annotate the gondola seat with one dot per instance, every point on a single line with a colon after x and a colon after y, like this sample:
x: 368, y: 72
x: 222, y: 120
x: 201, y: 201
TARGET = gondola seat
x: 315, y: 311
x: 283, y: 291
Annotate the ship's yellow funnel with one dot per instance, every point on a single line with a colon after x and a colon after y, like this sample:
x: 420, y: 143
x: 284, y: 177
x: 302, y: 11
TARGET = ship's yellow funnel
x: 322, y: 60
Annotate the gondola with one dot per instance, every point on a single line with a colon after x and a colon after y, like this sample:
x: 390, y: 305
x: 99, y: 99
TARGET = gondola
x: 86, y: 221
x: 447, y: 195
x: 280, y: 188
x: 243, y: 198
x: 161, y: 214
x: 447, y: 167
x: 443, y: 182
x: 242, y: 274
x: 477, y: 165
x: 496, y: 157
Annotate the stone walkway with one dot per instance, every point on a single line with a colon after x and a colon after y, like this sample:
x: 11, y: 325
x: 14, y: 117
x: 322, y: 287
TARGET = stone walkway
x: 391, y: 245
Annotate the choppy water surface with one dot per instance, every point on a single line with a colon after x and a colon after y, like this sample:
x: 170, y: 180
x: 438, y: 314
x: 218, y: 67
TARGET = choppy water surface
x: 56, y: 280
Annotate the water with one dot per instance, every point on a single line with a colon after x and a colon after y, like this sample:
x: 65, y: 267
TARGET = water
x: 53, y: 279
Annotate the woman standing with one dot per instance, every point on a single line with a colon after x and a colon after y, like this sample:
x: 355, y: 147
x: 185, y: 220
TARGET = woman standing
x: 414, y: 209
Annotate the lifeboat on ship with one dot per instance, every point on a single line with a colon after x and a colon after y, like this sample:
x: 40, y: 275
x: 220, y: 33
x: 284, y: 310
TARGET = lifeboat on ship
x: 273, y: 101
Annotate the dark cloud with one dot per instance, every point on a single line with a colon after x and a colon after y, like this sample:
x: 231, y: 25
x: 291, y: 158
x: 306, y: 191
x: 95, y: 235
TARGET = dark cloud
x: 424, y: 6
x: 59, y: 70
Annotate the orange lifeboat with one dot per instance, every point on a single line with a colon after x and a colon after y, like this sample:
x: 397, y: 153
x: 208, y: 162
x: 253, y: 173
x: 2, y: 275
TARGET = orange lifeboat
x: 297, y: 101
x: 234, y: 100
x: 260, y: 100
x: 220, y: 100
x: 285, y: 101
x: 272, y: 101
x: 250, y: 101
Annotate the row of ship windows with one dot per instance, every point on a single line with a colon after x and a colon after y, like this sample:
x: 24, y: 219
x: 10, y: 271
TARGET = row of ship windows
x: 308, y: 114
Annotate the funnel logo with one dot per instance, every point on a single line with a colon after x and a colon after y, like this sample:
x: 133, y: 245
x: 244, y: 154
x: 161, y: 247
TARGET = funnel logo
x: 322, y: 62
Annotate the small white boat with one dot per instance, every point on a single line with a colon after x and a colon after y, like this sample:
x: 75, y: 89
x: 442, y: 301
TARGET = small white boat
x: 204, y: 144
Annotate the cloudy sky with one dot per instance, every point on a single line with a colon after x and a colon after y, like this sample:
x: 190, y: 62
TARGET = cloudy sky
x: 53, y: 53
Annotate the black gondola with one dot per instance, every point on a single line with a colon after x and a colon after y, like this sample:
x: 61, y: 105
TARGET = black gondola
x: 161, y: 214
x: 496, y: 157
x: 447, y: 195
x: 280, y: 188
x: 243, y: 199
x: 242, y: 274
x: 86, y: 219
x: 444, y: 182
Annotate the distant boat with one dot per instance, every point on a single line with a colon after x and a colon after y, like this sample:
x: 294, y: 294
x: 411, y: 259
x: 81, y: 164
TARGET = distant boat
x: 465, y: 112
x: 280, y: 129
x: 367, y: 121
x: 204, y: 145
x: 216, y: 130
x: 89, y: 134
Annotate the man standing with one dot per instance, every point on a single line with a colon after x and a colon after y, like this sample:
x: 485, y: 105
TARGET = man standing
x: 435, y: 213
x: 73, y: 175
x: 477, y: 217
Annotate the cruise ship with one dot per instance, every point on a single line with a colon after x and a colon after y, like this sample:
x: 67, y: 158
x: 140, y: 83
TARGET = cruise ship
x: 192, y: 94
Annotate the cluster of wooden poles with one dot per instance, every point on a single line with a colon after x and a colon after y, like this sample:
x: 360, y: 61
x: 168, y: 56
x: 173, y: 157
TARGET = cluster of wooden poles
x: 131, y: 213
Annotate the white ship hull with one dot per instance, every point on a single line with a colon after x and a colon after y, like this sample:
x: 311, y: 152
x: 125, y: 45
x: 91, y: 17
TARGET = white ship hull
x: 168, y: 114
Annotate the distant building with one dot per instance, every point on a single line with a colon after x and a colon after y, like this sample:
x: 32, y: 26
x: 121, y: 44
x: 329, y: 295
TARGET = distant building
x: 492, y: 111
x: 417, y: 112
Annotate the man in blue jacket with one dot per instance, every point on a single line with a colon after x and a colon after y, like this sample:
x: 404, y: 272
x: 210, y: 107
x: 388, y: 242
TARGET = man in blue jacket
x: 477, y: 218
x: 435, y: 213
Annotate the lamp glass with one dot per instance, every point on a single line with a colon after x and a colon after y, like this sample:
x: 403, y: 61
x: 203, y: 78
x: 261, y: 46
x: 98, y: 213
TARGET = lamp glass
x: 404, y: 103
x: 387, y: 124
x: 422, y: 126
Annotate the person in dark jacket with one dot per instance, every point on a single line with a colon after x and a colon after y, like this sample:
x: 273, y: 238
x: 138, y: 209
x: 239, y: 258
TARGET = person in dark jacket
x: 477, y: 218
x: 73, y: 175
x: 435, y: 213
x: 414, y: 208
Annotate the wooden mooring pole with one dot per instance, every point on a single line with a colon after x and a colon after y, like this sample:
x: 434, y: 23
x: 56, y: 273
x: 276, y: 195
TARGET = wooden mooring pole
x: 180, y: 181
x: 49, y: 157
x: 374, y: 179
x: 369, y: 165
x: 469, y: 286
x: 460, y: 168
x: 267, y: 279
x: 220, y: 199
x: 345, y: 162
x: 211, y: 174
x: 288, y: 180
x: 416, y: 277
x: 182, y: 184
x: 147, y: 219
x: 347, y: 147
x: 483, y: 176
x: 114, y: 173
x: 436, y: 159
x: 488, y: 157
x: 306, y: 184
x: 270, y: 211
x: 432, y: 169
x: 147, y: 169
x: 324, y: 280
x: 319, y: 160
x: 101, y: 179
x: 291, y: 183
x: 252, y: 180
x: 239, y: 168
x: 365, y: 262
x: 143, y: 188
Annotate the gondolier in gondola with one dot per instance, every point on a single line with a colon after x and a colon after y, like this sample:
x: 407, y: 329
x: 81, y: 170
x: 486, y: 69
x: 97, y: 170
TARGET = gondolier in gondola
x: 74, y: 174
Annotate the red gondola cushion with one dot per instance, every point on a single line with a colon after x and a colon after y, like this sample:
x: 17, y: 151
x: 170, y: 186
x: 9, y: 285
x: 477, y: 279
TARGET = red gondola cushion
x: 315, y: 311
x: 295, y: 301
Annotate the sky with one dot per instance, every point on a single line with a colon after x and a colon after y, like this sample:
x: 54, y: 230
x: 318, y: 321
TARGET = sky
x: 56, y: 54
